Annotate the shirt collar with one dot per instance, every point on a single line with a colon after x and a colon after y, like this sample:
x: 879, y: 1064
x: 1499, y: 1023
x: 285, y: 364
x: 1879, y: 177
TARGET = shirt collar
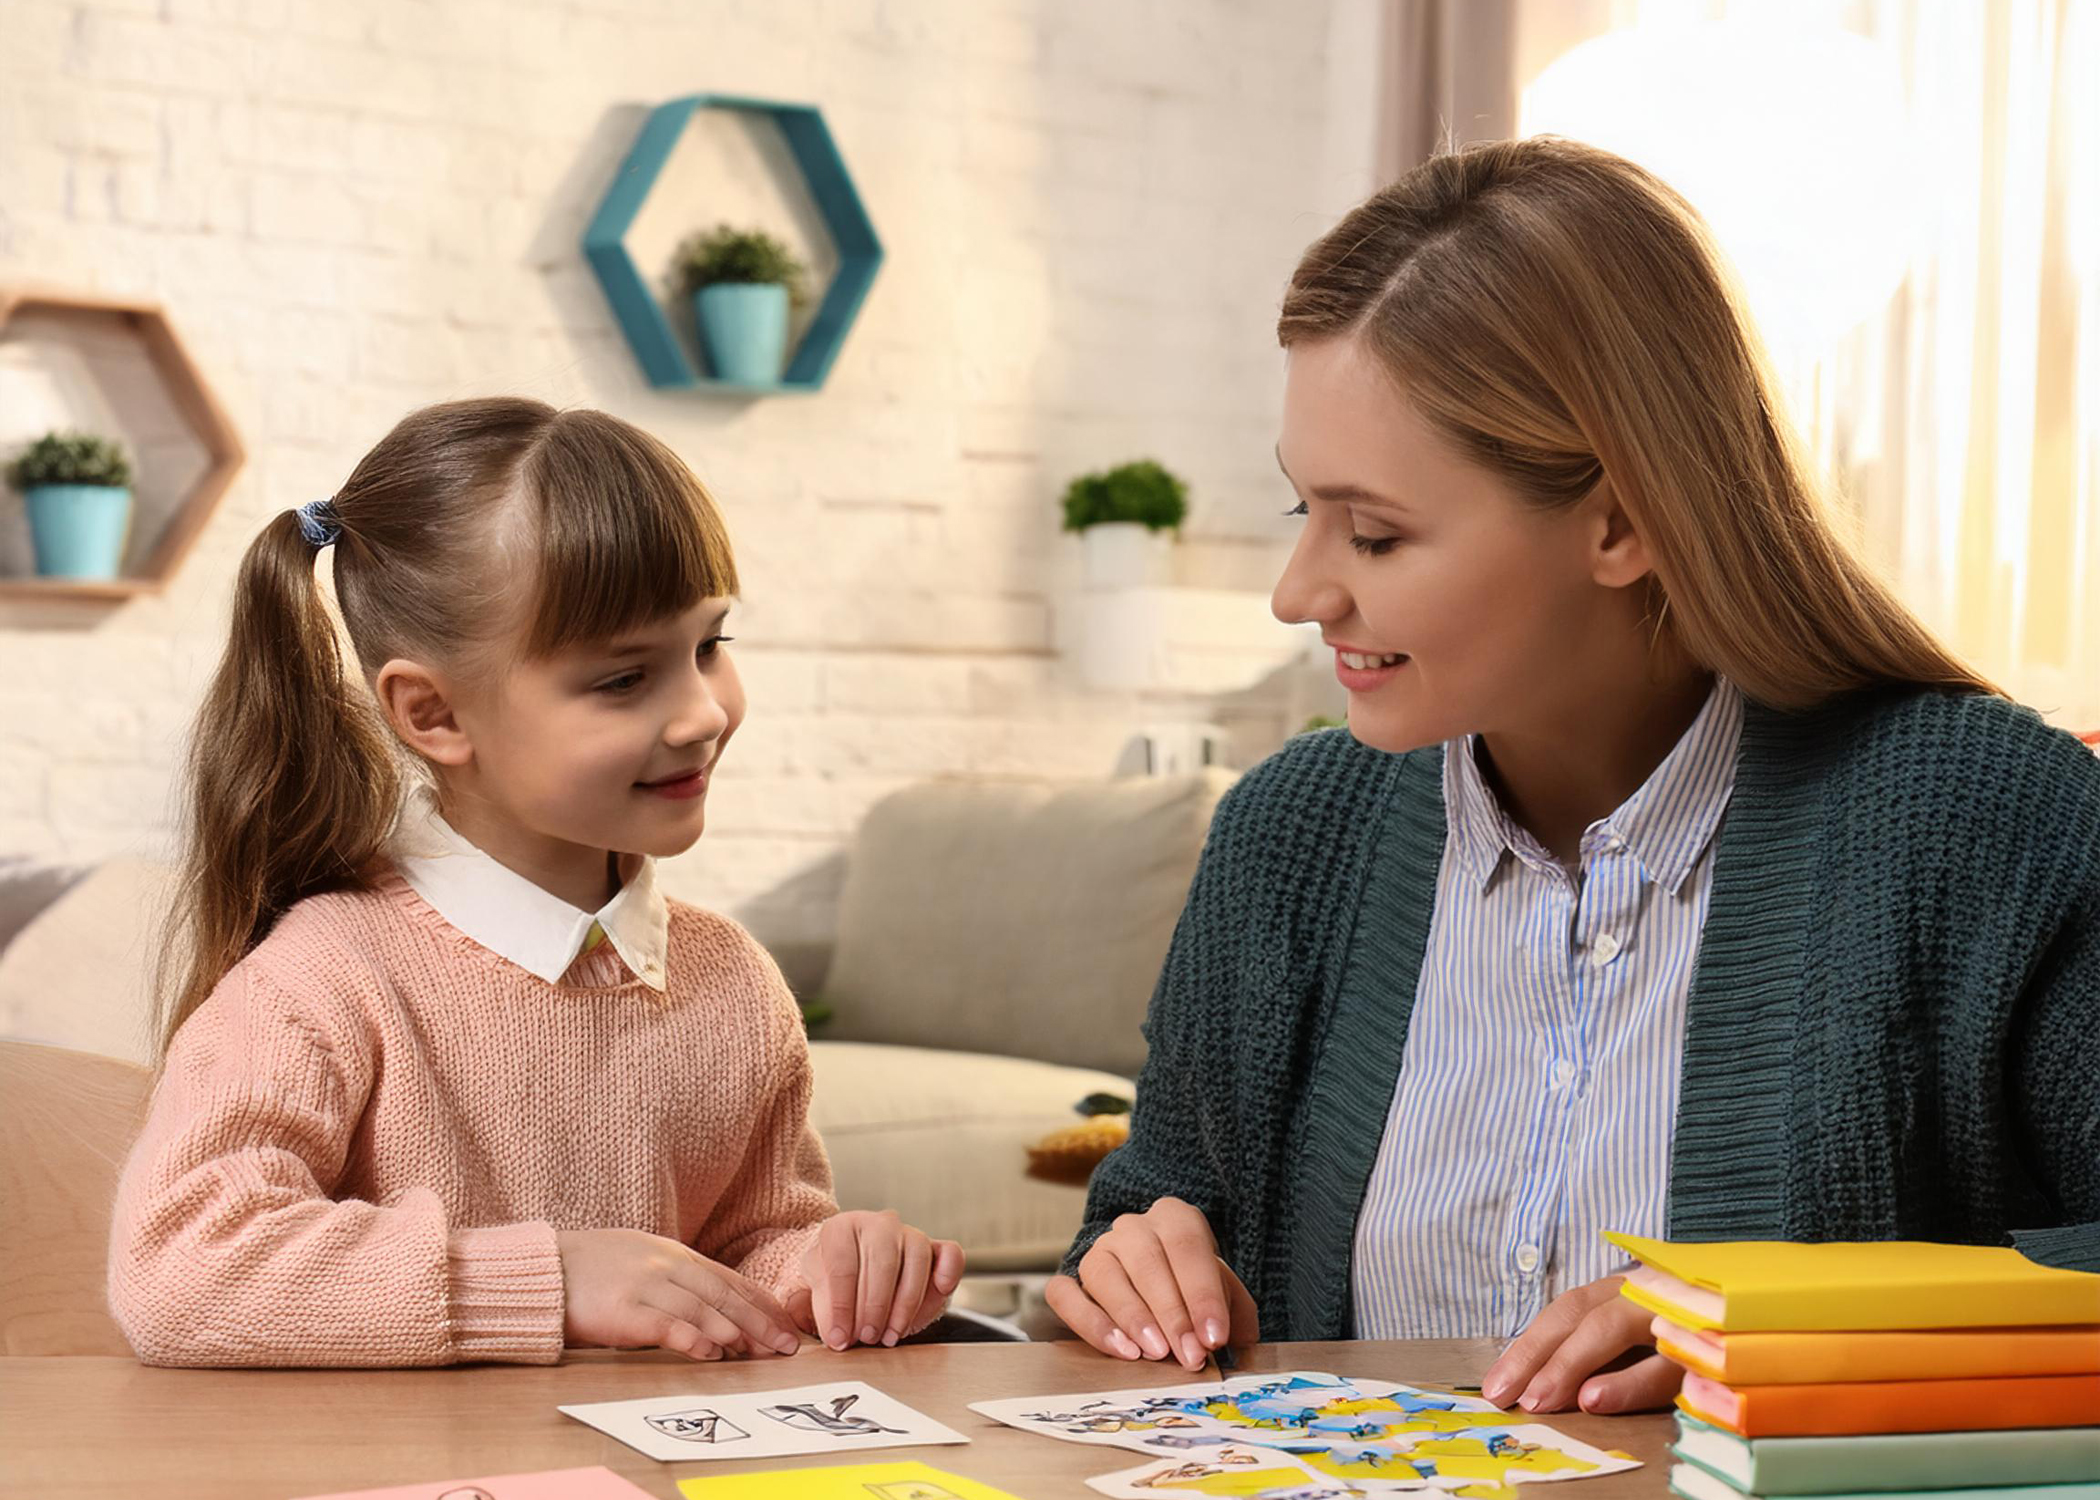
x: 1666, y: 824
x: 510, y: 916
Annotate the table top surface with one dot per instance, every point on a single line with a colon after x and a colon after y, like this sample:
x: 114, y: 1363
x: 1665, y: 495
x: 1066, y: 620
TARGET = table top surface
x: 75, y: 1428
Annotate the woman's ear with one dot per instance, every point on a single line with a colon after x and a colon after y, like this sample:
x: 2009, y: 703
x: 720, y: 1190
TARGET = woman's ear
x: 1619, y: 556
x: 418, y: 705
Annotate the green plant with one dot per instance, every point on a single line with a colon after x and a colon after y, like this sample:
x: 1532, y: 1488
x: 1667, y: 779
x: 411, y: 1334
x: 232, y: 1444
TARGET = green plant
x: 816, y: 1011
x: 1143, y: 492
x: 69, y: 458
x: 727, y: 255
x: 1321, y: 721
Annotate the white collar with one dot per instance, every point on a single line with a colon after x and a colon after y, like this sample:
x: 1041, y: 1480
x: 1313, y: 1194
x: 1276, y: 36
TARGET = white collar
x: 510, y: 916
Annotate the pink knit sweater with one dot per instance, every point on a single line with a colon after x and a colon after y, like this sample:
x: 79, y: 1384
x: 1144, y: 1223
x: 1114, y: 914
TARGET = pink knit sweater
x: 365, y: 1140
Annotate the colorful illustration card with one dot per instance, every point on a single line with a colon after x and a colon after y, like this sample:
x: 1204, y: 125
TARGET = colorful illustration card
x: 1263, y: 1409
x: 1483, y: 1461
x: 1308, y: 1429
x: 546, y: 1484
x: 833, y: 1418
x: 909, y: 1481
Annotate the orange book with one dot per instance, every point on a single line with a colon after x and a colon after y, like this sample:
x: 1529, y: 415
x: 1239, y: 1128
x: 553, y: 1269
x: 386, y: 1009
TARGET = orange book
x: 1894, y: 1405
x: 1923, y: 1354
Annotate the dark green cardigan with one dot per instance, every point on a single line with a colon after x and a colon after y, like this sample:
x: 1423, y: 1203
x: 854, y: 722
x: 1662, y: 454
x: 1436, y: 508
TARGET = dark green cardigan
x: 1893, y: 1028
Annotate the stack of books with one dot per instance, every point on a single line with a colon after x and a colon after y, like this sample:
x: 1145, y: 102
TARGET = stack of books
x: 1875, y: 1369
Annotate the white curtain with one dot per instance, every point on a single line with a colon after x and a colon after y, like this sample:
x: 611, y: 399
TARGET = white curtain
x: 1959, y: 421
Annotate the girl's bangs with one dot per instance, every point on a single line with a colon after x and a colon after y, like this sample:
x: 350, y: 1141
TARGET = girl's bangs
x: 628, y: 535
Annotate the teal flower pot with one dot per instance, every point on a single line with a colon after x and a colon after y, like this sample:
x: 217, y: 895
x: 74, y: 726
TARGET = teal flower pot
x: 79, y: 530
x: 743, y: 330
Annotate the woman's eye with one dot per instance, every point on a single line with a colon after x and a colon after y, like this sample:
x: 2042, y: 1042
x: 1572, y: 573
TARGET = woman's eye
x: 1300, y: 509
x: 1374, y: 546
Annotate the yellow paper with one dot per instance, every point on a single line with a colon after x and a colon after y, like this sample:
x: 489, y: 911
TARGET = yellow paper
x: 1775, y: 1286
x: 908, y: 1481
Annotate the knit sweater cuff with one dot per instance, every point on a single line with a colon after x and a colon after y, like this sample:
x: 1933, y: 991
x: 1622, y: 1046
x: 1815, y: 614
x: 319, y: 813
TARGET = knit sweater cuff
x: 2073, y: 1247
x: 506, y: 1294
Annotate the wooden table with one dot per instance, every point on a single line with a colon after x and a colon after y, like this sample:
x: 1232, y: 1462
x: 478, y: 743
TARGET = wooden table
x: 97, y: 1427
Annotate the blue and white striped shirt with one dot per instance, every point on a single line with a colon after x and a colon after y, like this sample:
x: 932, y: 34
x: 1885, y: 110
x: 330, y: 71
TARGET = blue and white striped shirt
x: 1537, y: 1099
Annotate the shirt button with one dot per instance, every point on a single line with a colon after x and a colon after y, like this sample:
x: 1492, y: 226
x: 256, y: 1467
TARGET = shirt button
x: 1527, y: 1258
x: 1604, y: 950
x: 1563, y: 1073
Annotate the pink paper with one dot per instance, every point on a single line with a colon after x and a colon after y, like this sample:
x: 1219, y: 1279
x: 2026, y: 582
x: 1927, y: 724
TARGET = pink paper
x: 547, y: 1484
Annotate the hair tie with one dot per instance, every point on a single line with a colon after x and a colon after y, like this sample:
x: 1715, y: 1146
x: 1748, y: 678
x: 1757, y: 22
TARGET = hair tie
x: 318, y: 523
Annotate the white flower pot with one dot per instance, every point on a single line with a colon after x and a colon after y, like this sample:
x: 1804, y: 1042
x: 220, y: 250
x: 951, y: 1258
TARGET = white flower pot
x: 1125, y: 555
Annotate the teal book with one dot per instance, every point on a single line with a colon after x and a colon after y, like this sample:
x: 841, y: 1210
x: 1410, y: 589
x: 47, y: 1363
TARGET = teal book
x: 1694, y: 1483
x: 1971, y: 1463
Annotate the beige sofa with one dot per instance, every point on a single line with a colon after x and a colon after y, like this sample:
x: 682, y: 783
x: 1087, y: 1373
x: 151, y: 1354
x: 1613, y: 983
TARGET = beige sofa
x: 997, y: 945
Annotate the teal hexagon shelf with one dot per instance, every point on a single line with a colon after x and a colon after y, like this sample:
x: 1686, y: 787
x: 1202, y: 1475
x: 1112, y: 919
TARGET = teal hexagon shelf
x: 664, y: 358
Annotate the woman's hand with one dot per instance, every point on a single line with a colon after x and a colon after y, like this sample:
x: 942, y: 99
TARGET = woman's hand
x: 625, y: 1289
x: 1154, y: 1287
x: 873, y: 1279
x: 1579, y: 1333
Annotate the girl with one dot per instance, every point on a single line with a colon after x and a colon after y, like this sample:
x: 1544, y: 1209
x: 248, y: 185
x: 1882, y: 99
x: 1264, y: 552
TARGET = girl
x: 1669, y: 878
x: 462, y: 1084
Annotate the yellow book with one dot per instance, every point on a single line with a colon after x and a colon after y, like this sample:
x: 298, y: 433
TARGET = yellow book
x: 1747, y: 1286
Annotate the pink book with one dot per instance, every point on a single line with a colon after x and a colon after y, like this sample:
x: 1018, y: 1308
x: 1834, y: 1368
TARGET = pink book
x: 547, y: 1484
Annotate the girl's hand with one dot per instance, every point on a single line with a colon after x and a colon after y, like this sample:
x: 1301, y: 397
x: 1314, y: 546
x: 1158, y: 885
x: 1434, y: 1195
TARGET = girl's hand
x: 1154, y: 1287
x: 874, y: 1279
x: 625, y: 1289
x: 1581, y: 1331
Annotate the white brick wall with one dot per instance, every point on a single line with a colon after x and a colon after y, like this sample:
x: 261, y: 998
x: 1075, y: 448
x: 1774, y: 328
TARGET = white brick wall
x: 351, y: 209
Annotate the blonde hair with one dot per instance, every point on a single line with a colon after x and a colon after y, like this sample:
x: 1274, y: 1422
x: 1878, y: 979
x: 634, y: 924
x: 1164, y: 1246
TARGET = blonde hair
x: 1562, y: 317
x: 293, y: 780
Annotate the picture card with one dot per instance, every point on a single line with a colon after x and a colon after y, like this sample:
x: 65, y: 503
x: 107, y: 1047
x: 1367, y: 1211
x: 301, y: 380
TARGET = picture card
x: 891, y: 1481
x: 1182, y: 1420
x: 544, y: 1484
x: 1402, y: 1463
x: 833, y: 1418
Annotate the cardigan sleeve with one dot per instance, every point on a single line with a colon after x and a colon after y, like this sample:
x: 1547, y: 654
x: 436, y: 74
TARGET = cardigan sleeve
x: 1165, y: 1156
x: 2058, y: 1059
x: 227, y: 1247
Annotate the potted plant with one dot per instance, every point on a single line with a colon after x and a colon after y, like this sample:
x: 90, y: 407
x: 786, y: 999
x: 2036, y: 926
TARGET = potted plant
x: 1123, y: 516
x: 78, y: 490
x: 743, y: 283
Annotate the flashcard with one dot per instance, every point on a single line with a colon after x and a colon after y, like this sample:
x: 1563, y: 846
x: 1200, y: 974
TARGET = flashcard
x: 764, y: 1424
x: 545, y: 1484
x: 1481, y: 1461
x: 1258, y: 1409
x: 894, y: 1481
x: 1305, y: 1428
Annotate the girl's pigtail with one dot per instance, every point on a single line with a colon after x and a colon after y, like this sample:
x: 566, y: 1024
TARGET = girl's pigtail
x: 291, y: 784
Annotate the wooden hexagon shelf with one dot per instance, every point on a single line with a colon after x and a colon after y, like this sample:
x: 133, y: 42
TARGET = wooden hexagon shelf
x: 107, y: 322
x: 816, y: 161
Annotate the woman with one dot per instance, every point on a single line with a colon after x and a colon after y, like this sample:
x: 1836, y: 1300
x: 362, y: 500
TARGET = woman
x: 1669, y: 878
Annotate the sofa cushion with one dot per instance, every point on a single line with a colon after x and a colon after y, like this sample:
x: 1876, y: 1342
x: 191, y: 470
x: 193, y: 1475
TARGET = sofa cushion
x: 1023, y: 919
x: 942, y: 1137
x: 80, y: 974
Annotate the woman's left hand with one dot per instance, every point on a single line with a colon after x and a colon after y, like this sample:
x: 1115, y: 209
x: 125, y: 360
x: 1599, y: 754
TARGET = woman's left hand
x: 873, y: 1279
x: 1579, y: 1333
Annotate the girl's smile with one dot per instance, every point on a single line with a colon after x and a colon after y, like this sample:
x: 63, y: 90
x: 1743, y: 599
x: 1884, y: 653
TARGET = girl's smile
x: 684, y: 785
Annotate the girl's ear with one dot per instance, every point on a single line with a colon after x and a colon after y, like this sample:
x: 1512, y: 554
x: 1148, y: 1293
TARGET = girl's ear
x: 1619, y: 557
x: 418, y: 706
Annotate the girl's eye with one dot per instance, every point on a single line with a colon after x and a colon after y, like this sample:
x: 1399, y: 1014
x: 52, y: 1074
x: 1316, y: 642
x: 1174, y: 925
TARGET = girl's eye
x: 1374, y: 546
x: 712, y: 644
x: 626, y: 682
x: 1300, y: 509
